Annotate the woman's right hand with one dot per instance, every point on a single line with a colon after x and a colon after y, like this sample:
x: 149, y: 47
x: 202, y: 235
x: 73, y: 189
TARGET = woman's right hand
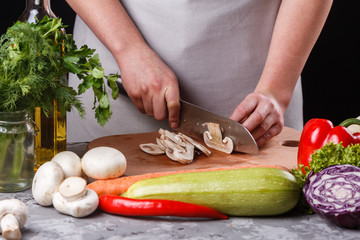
x: 150, y: 83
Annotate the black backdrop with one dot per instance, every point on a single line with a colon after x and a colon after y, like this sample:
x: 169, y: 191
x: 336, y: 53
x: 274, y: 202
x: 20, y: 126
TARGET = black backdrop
x: 331, y: 86
x: 331, y: 83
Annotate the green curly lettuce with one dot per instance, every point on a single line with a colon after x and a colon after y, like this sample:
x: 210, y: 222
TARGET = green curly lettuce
x: 330, y: 154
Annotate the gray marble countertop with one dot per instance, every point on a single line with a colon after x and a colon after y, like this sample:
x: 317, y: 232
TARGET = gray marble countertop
x: 47, y: 223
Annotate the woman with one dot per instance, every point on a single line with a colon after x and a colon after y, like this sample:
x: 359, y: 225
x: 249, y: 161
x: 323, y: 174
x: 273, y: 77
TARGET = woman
x: 238, y: 58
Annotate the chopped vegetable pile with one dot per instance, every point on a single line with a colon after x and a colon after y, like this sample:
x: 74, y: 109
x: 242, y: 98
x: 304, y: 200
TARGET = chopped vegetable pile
x: 34, y: 61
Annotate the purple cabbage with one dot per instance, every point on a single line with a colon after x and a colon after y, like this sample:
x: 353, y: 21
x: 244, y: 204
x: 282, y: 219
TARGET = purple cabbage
x: 334, y: 194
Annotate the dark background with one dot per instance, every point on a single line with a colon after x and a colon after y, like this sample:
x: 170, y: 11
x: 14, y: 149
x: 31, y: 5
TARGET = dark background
x: 331, y: 86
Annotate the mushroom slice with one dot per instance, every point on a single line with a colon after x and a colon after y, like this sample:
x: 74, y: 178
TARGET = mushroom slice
x: 152, y: 148
x: 199, y: 146
x: 168, y: 143
x: 173, y: 137
x: 213, y: 139
x: 170, y: 153
x: 161, y: 146
x: 185, y: 157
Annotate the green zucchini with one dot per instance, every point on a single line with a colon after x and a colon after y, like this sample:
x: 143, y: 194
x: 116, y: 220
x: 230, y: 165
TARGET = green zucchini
x: 257, y: 191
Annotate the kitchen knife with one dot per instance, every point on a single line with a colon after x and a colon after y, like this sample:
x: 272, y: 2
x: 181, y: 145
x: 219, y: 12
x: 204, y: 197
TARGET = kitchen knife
x: 193, y: 121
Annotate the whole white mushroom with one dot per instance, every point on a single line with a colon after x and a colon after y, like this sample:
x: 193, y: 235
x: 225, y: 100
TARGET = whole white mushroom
x: 70, y: 163
x: 13, y: 216
x: 103, y: 163
x: 73, y: 198
x: 46, y: 182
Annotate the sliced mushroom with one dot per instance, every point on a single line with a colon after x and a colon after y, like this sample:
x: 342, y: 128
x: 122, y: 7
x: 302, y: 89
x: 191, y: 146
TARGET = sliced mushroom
x: 168, y: 143
x: 152, y: 148
x: 184, y: 156
x: 176, y: 138
x: 213, y: 139
x: 170, y: 153
x: 177, y: 146
x: 199, y: 146
x: 161, y: 146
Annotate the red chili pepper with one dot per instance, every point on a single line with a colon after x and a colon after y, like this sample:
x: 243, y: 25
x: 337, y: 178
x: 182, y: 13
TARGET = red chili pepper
x: 155, y: 207
x: 318, y: 132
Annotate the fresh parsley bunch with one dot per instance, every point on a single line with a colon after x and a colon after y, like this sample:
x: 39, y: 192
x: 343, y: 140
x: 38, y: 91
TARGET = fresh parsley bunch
x: 35, y: 59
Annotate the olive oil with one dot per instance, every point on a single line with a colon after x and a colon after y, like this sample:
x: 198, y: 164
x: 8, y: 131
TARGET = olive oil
x: 51, y: 136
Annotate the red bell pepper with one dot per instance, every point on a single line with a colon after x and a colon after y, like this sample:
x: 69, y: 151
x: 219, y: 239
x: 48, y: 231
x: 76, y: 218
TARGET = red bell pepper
x: 155, y: 207
x: 318, y: 132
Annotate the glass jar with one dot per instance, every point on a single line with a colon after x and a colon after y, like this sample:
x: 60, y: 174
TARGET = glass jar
x: 17, y: 151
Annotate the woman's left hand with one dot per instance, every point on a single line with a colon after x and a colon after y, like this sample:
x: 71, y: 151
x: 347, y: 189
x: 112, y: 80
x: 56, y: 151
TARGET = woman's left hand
x: 261, y: 114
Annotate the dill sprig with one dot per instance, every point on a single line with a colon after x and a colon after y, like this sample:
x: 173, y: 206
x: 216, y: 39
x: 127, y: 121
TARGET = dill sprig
x: 35, y: 59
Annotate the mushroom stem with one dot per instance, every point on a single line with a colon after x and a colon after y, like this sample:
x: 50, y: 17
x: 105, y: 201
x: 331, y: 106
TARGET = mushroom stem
x: 215, y: 133
x: 213, y: 139
x: 73, y: 188
x: 10, y: 227
x: 13, y: 215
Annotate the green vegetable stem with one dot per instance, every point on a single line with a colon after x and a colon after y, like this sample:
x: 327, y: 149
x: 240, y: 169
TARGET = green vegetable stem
x: 5, y: 140
x: 17, y: 163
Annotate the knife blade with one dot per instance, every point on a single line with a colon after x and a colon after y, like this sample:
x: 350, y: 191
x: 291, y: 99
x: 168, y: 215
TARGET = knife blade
x: 193, y: 121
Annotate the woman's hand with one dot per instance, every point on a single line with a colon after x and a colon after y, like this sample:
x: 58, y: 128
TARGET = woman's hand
x: 151, y: 84
x: 261, y: 114
x: 297, y: 27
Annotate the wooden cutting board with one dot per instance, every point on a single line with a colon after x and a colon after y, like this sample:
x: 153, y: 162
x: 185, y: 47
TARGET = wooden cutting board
x: 280, y: 150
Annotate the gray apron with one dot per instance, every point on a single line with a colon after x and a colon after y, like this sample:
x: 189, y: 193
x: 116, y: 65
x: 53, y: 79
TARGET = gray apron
x: 217, y: 49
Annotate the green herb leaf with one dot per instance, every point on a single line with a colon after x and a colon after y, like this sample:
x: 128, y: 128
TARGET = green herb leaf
x: 34, y: 60
x: 330, y: 154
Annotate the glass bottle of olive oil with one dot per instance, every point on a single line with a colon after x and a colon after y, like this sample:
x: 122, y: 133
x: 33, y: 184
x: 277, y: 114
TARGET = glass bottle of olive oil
x: 51, y: 137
